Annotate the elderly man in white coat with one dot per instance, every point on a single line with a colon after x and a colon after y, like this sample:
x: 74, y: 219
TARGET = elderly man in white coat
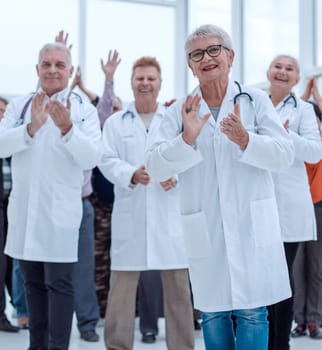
x: 52, y: 136
x: 144, y: 234
x: 224, y: 141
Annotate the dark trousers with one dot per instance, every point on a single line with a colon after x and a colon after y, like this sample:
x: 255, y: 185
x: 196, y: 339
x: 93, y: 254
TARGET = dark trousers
x: 150, y: 301
x: 86, y: 305
x: 280, y: 315
x: 3, y: 266
x: 49, y: 291
x: 307, y: 273
x: 5, y: 261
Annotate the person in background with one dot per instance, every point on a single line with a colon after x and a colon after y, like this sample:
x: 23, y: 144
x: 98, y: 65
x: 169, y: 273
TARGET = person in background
x: 14, y: 283
x: 78, y: 82
x: 5, y: 324
x: 86, y: 304
x: 296, y: 211
x: 52, y: 137
x: 224, y: 140
x: 85, y: 300
x: 307, y: 269
x: 19, y: 296
x: 102, y: 196
x: 144, y: 236
x: 150, y: 304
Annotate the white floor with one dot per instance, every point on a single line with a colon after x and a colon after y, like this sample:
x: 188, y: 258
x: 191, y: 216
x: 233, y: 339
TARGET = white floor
x: 19, y: 341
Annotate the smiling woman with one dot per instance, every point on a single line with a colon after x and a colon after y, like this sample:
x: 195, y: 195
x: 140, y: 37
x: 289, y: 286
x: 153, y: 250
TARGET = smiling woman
x: 296, y: 211
x: 204, y: 139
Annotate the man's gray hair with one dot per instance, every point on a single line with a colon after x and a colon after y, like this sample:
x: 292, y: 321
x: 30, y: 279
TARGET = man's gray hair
x: 208, y: 30
x: 53, y: 47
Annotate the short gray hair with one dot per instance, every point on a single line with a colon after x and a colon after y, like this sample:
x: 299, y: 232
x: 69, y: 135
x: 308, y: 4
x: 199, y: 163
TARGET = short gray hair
x: 292, y: 58
x: 53, y: 47
x: 208, y: 30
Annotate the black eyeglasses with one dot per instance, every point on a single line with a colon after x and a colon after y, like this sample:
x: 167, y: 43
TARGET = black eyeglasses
x: 212, y: 51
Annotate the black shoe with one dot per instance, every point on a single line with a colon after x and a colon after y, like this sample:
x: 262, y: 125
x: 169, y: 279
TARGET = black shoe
x: 6, y: 326
x: 316, y: 333
x: 298, y: 331
x: 197, y: 325
x: 148, y: 338
x: 90, y: 336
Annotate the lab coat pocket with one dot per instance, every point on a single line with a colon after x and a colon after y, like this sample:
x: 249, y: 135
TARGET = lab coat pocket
x: 265, y: 222
x: 67, y: 207
x: 196, y: 235
x: 122, y: 221
x: 13, y: 210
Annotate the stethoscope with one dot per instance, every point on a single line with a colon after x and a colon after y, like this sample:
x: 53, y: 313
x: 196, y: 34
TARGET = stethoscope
x: 242, y: 93
x: 288, y: 98
x: 21, y: 118
x: 128, y: 112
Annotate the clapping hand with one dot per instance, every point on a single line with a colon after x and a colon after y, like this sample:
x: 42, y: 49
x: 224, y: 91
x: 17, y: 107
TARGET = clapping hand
x: 233, y: 128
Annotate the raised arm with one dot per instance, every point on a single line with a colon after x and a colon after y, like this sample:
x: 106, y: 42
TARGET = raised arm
x: 105, y: 105
x: 78, y: 81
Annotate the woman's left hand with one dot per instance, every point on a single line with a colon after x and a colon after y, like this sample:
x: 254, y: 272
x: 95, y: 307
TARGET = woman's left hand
x: 233, y: 128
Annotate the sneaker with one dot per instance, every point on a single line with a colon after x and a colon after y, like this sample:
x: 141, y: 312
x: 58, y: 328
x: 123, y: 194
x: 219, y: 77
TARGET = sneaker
x: 148, y: 338
x: 6, y: 326
x: 315, y: 332
x: 90, y: 336
x: 298, y: 331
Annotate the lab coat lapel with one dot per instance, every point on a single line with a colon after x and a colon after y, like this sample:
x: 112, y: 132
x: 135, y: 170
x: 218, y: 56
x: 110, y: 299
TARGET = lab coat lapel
x: 226, y: 107
x: 136, y: 119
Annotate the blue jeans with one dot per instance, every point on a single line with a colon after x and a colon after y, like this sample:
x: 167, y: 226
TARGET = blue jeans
x: 250, y: 331
x: 85, y: 298
x: 18, y: 291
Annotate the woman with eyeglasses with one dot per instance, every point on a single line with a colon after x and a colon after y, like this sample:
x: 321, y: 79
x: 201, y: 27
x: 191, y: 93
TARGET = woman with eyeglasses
x: 296, y: 210
x: 224, y: 140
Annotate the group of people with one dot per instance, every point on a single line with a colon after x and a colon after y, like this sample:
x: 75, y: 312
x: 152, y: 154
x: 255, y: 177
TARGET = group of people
x: 210, y: 191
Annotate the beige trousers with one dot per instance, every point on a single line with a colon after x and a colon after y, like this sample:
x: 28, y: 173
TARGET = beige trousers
x: 120, y: 311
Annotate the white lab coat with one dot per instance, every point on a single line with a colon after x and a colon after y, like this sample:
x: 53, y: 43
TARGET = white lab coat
x: 292, y: 187
x: 145, y: 232
x: 229, y: 211
x: 45, y: 207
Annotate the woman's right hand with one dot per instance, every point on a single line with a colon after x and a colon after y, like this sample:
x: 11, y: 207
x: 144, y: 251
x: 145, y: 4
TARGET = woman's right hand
x: 192, y: 124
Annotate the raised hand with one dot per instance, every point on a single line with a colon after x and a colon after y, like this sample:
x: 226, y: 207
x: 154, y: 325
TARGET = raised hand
x: 111, y: 64
x: 77, y: 81
x: 192, y: 124
x: 315, y: 90
x: 308, y: 89
x: 63, y: 39
x: 140, y: 176
x: 233, y: 128
x: 60, y: 115
x: 39, y: 114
